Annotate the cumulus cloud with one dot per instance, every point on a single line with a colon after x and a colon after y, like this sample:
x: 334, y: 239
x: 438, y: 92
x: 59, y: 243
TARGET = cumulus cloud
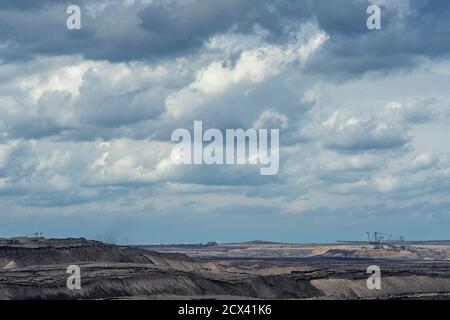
x: 252, y: 67
x: 270, y: 119
x: 157, y: 29
x: 87, y: 115
x: 351, y: 133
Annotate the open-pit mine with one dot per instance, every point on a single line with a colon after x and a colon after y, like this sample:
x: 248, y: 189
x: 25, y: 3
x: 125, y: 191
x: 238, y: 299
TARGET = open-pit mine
x: 37, y: 268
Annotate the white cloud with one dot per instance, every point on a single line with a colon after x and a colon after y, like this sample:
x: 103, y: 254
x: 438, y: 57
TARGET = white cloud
x: 253, y: 67
x: 125, y: 161
x: 270, y: 119
x: 75, y: 131
x: 386, y: 183
x: 5, y: 151
x: 423, y: 161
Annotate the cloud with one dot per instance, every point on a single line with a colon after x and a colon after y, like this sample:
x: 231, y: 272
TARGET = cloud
x: 159, y: 29
x: 363, y: 134
x: 423, y: 161
x: 115, y: 95
x: 251, y: 68
x: 87, y: 115
x: 408, y: 33
x: 271, y: 120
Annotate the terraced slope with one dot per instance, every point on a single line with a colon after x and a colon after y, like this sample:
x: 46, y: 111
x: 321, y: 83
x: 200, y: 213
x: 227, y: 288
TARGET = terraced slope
x: 36, y: 269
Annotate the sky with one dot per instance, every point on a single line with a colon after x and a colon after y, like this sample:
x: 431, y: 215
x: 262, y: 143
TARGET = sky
x: 87, y: 116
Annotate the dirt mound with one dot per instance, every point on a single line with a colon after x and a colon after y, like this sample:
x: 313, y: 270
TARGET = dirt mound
x: 391, y: 286
x: 181, y: 262
x: 10, y: 265
x: 368, y: 253
x: 122, y: 281
x: 39, y: 251
x: 53, y: 251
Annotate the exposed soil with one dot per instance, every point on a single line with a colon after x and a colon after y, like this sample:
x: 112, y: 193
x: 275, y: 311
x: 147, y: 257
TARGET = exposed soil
x: 35, y: 268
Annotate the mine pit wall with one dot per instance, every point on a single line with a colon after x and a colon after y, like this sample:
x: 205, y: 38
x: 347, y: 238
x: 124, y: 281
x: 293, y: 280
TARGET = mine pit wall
x: 50, y: 284
x: 145, y: 282
x: 47, y: 256
x: 37, y: 270
x: 390, y: 287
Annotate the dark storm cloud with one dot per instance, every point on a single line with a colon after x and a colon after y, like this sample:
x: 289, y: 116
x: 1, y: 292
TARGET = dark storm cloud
x: 123, y: 33
x: 164, y: 29
x: 180, y: 25
x: 26, y: 4
x: 40, y: 30
x: 420, y: 32
x: 135, y: 32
